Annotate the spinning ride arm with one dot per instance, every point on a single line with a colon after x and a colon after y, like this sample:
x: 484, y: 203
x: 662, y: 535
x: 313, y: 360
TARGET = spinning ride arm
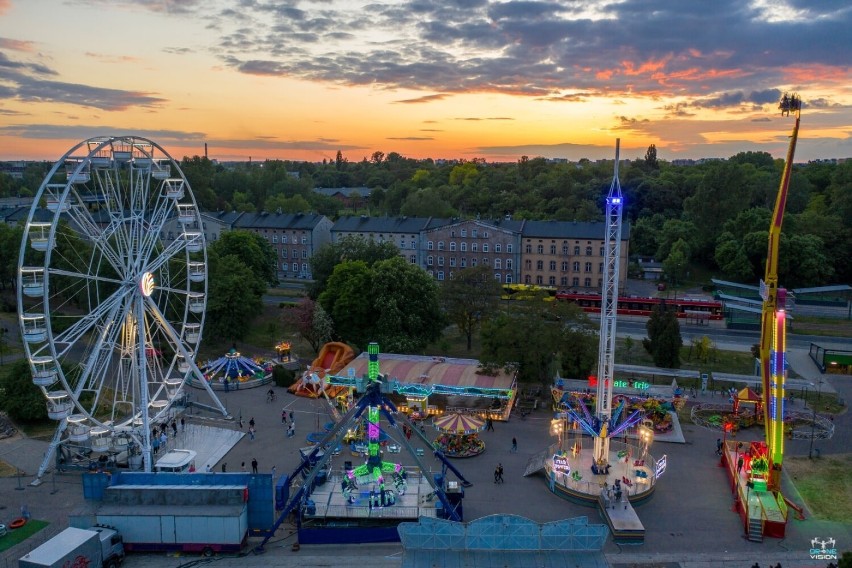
x: 772, y: 328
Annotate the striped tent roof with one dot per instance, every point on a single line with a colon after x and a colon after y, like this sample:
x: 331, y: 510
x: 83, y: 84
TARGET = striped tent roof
x: 458, y: 424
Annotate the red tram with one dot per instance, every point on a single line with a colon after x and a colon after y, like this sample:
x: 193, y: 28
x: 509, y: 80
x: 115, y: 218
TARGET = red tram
x: 630, y: 306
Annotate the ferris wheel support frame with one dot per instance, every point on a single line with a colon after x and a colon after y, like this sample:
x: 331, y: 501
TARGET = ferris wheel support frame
x: 134, y: 222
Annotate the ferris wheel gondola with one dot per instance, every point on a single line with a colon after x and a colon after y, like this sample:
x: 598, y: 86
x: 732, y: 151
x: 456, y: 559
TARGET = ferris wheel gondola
x: 110, y: 310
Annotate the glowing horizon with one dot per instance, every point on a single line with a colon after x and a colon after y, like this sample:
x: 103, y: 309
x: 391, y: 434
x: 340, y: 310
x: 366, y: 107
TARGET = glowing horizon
x: 493, y: 80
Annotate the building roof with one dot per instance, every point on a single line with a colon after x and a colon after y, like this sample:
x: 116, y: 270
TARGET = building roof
x: 345, y: 191
x: 224, y: 217
x: 430, y: 371
x: 307, y: 221
x: 570, y: 230
x: 15, y: 215
x: 367, y: 224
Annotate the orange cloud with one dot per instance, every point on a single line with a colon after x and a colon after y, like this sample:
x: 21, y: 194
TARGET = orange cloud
x: 816, y: 73
x: 647, y: 67
x: 15, y: 44
x: 5, y: 5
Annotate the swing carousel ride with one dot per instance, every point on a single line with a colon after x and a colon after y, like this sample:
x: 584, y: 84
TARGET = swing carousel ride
x: 584, y: 474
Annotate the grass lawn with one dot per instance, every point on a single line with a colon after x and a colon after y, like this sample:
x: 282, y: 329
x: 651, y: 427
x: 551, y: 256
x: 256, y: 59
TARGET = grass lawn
x: 7, y: 470
x: 16, y: 536
x: 825, y: 484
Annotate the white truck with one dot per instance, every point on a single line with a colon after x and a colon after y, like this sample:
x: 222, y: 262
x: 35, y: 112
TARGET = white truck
x: 96, y: 547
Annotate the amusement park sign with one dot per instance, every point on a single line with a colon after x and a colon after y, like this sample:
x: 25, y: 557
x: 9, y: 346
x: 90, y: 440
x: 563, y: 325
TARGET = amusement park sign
x: 560, y: 463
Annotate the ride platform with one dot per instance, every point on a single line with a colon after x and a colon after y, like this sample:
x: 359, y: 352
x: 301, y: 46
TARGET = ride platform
x: 762, y: 513
x: 622, y: 520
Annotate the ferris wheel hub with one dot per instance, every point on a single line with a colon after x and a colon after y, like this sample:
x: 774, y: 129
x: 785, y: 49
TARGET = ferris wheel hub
x: 146, y: 284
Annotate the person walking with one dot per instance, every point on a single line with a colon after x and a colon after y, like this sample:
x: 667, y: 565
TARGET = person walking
x: 254, y: 465
x: 251, y: 422
x: 291, y: 430
x: 273, y: 473
x: 496, y: 473
x: 514, y: 445
x: 174, y: 428
x: 499, y: 473
x: 164, y: 439
x: 292, y: 416
x: 224, y: 467
x: 718, y: 446
x: 283, y: 416
x: 182, y: 424
x: 251, y: 433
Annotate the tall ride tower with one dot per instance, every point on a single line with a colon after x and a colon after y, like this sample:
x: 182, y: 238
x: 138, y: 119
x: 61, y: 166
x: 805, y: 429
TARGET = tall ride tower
x: 609, y: 308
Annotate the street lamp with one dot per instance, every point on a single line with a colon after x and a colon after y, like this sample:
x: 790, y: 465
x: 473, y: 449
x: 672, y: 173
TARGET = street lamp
x: 557, y: 429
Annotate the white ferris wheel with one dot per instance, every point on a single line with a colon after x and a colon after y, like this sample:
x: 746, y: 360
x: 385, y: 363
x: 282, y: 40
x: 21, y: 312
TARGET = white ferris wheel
x: 111, y: 307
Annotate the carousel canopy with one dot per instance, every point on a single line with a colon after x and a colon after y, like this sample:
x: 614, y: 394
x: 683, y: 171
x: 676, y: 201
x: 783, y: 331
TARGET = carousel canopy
x: 458, y: 424
x: 232, y: 365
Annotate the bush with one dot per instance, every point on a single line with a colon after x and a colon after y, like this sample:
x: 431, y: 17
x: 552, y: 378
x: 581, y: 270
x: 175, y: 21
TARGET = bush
x: 283, y: 377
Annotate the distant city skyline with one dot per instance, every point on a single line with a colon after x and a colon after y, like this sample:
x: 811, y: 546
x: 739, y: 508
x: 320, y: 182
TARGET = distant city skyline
x: 443, y: 79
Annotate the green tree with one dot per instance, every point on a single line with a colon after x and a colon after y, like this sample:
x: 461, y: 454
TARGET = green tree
x: 393, y: 303
x: 347, y: 300
x: 349, y: 248
x: 311, y: 321
x: 651, y: 157
x: 405, y: 299
x: 19, y: 397
x: 235, y: 298
x: 254, y: 251
x: 534, y: 334
x: 10, y: 245
x: 677, y: 261
x: 470, y: 297
x: 664, y: 341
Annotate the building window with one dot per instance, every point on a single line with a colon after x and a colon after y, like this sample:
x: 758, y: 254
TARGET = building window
x: 304, y: 240
x: 440, y: 261
x: 539, y: 280
x: 565, y: 249
x: 284, y: 267
x: 464, y: 232
x: 304, y: 253
x: 431, y: 273
x: 587, y: 282
x: 588, y: 267
x: 294, y: 253
x: 528, y: 264
x: 474, y: 247
x: 450, y: 275
x: 564, y: 266
x: 305, y: 268
x: 452, y: 246
x: 485, y: 260
x: 440, y: 245
x: 484, y: 247
x: 588, y: 251
x: 575, y: 266
x: 484, y: 234
x: 540, y: 249
x: 552, y: 249
x: 283, y: 253
x: 539, y: 265
x: 551, y: 281
x: 575, y: 282
x: 430, y: 245
x: 576, y: 251
x: 498, y: 247
x: 509, y: 248
x: 563, y: 281
x: 429, y: 261
x: 275, y: 239
x: 529, y: 249
x: 527, y: 279
x: 508, y: 264
x: 498, y: 277
x: 600, y: 268
x: 603, y: 251
x: 553, y: 266
x: 474, y: 233
x: 463, y: 247
x: 508, y: 279
x: 412, y: 259
x: 295, y: 267
x: 283, y: 239
x: 472, y: 262
x: 453, y: 261
x: 464, y: 263
x: 600, y: 282
x: 498, y: 263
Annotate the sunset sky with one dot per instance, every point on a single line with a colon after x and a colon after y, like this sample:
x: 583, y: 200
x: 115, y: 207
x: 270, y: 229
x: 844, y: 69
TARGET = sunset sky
x: 456, y: 79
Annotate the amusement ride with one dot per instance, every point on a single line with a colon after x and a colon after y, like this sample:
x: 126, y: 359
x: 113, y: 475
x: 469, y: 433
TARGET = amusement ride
x: 111, y: 311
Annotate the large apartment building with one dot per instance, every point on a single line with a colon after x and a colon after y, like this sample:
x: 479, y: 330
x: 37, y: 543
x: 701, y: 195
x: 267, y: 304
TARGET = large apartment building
x: 404, y: 232
x: 457, y: 245
x: 295, y: 237
x: 568, y: 254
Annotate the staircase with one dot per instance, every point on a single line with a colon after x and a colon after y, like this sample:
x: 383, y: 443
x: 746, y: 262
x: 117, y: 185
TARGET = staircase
x: 755, y: 529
